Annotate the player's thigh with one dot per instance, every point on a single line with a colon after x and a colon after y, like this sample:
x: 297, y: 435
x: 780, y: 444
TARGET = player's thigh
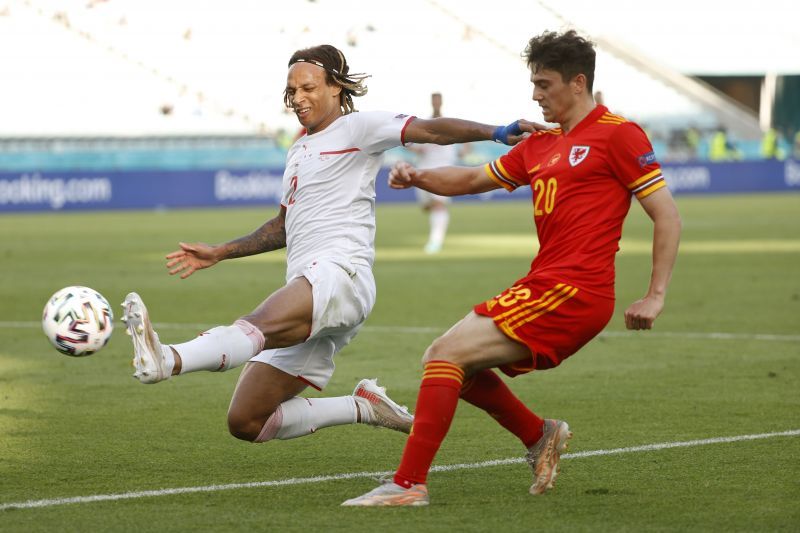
x: 475, y: 343
x: 285, y: 316
x: 260, y: 390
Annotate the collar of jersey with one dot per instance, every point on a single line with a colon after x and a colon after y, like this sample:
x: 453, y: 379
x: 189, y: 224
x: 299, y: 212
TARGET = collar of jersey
x: 593, y: 115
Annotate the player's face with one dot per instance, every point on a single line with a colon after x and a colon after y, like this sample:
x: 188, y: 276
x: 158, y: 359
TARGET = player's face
x: 315, y: 103
x: 555, y: 96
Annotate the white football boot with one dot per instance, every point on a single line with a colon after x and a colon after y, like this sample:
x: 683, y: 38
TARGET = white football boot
x: 382, y: 410
x: 391, y: 494
x: 543, y: 456
x: 148, y: 352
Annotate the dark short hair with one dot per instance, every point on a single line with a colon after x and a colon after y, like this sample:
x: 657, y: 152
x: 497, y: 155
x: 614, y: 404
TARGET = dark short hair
x: 567, y: 53
x: 337, y: 72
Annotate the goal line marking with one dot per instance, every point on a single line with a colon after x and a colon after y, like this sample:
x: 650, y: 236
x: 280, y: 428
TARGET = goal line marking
x: 352, y: 475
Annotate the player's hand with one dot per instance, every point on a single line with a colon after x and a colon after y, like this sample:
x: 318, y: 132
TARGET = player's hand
x: 642, y: 313
x: 402, y: 175
x: 190, y: 258
x: 517, y: 131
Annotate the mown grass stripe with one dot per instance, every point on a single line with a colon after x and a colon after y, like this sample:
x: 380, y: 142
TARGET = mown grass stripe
x: 709, y: 335
x: 31, y: 504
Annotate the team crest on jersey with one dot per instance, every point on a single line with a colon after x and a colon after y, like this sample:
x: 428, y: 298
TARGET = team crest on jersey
x: 577, y: 155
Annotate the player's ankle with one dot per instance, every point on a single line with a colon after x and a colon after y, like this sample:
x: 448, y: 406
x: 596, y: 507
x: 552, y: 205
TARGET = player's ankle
x: 363, y: 414
x: 178, y: 364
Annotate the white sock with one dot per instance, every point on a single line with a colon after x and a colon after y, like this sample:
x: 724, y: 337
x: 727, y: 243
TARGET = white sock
x: 169, y: 358
x: 302, y: 416
x: 439, y: 219
x: 220, y: 348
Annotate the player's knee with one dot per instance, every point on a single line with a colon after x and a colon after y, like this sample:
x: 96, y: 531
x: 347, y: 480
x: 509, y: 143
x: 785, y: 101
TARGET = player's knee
x: 261, y: 321
x: 440, y: 350
x: 244, y: 426
x: 279, y: 332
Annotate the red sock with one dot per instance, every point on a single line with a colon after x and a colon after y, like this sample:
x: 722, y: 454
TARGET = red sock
x: 487, y: 391
x: 436, y: 405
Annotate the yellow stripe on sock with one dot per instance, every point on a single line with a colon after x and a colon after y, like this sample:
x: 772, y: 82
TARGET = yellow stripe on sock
x: 443, y: 372
x: 457, y: 379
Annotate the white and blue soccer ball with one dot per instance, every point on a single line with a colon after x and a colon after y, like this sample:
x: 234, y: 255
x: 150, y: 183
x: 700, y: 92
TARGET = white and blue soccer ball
x: 78, y: 321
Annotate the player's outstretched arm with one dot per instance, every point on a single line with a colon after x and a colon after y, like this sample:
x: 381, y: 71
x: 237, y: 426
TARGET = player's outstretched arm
x: 191, y: 257
x: 196, y: 256
x: 444, y: 181
x: 661, y: 209
x: 445, y: 130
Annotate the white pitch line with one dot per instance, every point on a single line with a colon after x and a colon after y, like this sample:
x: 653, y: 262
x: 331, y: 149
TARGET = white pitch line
x: 30, y: 504
x: 711, y: 335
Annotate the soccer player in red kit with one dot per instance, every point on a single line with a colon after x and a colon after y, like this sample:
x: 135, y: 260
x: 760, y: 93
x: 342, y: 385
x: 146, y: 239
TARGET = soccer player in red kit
x: 582, y: 176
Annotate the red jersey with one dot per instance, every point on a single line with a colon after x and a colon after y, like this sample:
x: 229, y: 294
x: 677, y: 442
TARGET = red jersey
x: 582, y: 183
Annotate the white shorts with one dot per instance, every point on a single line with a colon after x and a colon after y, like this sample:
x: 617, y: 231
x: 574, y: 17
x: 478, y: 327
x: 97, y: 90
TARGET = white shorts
x: 426, y: 198
x: 343, y: 293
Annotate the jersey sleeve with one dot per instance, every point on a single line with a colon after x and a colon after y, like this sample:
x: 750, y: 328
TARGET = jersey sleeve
x: 633, y: 160
x: 375, y: 132
x: 508, y: 170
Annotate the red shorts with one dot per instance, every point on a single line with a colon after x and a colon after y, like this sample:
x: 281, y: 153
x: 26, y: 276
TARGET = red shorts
x: 554, y: 320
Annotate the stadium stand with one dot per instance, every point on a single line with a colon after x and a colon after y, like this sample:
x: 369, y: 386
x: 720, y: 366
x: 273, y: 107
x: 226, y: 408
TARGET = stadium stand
x: 141, y: 83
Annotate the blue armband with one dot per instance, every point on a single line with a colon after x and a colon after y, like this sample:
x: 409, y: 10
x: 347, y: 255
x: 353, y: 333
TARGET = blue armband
x: 501, y: 133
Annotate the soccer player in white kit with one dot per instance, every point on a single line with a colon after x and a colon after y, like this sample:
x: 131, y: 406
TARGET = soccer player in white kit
x: 326, y: 222
x: 434, y: 156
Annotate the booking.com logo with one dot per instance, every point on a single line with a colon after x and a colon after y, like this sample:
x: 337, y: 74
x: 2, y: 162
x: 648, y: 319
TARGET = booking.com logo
x: 56, y: 192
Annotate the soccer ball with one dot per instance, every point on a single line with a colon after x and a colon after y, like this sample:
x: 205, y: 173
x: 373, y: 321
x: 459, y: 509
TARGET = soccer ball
x: 78, y: 321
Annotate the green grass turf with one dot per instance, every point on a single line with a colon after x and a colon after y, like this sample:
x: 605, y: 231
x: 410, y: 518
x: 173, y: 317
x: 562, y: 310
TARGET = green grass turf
x: 81, y: 427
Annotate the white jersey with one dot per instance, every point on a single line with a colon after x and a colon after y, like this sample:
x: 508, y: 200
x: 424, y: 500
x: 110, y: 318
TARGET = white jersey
x: 329, y: 188
x: 436, y: 155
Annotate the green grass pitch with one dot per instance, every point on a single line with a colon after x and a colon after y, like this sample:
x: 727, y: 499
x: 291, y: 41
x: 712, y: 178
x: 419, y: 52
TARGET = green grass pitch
x: 723, y: 361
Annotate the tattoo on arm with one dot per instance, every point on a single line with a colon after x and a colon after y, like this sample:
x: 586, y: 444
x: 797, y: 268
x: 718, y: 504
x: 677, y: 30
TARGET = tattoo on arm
x: 270, y: 236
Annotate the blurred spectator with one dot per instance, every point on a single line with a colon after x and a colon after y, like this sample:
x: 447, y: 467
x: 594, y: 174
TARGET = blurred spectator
x: 770, y: 145
x: 432, y: 156
x: 285, y: 139
x: 693, y: 141
x: 796, y: 146
x: 721, y: 148
x: 678, y: 146
x: 598, y: 98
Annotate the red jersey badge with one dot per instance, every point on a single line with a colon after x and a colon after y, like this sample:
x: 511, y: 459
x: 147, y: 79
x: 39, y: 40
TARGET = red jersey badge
x: 577, y: 155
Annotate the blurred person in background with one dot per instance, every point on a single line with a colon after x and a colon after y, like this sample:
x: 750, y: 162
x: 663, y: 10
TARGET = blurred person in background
x: 693, y: 142
x: 432, y: 156
x: 720, y: 147
x: 771, y: 145
x: 796, y: 146
x: 598, y: 98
